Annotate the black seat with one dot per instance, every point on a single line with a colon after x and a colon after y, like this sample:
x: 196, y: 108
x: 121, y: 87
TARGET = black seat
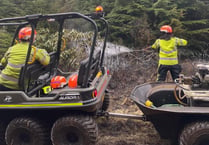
x: 93, y: 70
x: 34, y: 76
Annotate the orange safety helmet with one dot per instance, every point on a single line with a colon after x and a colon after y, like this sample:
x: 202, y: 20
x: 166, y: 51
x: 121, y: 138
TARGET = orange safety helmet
x: 72, y: 82
x: 25, y: 33
x: 58, y: 82
x: 166, y: 29
x: 99, y: 9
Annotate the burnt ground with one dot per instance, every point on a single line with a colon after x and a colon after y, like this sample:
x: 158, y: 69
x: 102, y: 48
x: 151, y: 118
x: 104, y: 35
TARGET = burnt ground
x: 120, y: 131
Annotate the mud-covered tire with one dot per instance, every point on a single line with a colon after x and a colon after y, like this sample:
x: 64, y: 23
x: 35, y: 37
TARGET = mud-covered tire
x: 25, y: 131
x: 74, y: 130
x: 195, y: 134
x: 106, y: 102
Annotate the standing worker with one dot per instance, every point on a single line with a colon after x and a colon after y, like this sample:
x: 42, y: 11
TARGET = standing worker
x: 15, y: 57
x: 168, y: 53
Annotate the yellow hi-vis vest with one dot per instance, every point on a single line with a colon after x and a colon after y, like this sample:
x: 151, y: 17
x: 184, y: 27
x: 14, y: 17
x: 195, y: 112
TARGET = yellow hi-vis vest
x: 168, y: 53
x: 13, y: 61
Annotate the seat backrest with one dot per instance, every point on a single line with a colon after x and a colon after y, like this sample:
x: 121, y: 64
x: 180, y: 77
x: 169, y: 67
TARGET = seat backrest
x: 94, y: 68
x: 34, y: 76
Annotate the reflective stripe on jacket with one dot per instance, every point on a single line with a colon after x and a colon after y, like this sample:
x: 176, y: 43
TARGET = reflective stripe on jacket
x: 14, y: 60
x: 168, y: 53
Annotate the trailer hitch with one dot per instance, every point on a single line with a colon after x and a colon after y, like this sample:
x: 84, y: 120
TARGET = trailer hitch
x: 120, y: 115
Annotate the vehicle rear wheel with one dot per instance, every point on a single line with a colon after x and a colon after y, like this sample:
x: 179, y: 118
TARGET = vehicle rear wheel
x: 106, y: 102
x: 195, y: 134
x: 74, y: 130
x: 25, y: 131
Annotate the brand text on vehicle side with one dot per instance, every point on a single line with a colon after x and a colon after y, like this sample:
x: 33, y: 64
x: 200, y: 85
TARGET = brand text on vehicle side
x: 69, y: 97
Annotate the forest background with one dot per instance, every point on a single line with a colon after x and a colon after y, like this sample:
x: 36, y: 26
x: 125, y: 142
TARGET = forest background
x: 133, y: 23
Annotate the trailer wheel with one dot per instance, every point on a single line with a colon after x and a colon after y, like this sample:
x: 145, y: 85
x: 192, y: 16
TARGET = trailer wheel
x: 74, y: 130
x: 195, y: 134
x: 106, y: 102
x: 25, y: 131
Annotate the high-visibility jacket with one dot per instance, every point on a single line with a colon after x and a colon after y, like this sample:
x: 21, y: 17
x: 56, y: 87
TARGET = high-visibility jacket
x: 168, y: 53
x: 14, y: 59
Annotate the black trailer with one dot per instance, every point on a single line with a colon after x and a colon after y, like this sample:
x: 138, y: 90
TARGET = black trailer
x: 180, y: 123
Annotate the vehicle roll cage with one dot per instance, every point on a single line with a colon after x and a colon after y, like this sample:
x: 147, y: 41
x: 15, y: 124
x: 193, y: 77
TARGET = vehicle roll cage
x: 32, y: 20
x: 100, y: 16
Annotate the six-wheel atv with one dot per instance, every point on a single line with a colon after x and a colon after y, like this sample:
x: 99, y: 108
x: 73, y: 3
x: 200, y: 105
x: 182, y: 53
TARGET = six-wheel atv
x: 39, y: 115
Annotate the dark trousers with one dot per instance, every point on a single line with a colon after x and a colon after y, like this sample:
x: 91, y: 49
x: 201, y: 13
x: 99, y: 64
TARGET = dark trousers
x: 3, y: 88
x: 163, y: 69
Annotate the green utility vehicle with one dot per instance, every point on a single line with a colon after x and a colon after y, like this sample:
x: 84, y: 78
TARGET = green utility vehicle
x: 64, y: 116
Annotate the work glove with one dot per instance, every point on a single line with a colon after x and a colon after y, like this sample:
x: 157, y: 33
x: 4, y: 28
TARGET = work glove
x: 1, y: 67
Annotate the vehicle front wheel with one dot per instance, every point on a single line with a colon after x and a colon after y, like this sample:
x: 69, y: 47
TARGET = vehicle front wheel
x: 195, y: 134
x: 25, y: 131
x: 74, y: 130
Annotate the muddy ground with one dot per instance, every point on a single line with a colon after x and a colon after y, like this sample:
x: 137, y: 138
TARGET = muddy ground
x: 120, y: 131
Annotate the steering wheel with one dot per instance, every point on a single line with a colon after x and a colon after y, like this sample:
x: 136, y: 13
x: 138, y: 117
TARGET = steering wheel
x: 180, y: 95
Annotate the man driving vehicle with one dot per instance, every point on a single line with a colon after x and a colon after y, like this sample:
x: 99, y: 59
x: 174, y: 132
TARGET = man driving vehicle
x: 15, y: 57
